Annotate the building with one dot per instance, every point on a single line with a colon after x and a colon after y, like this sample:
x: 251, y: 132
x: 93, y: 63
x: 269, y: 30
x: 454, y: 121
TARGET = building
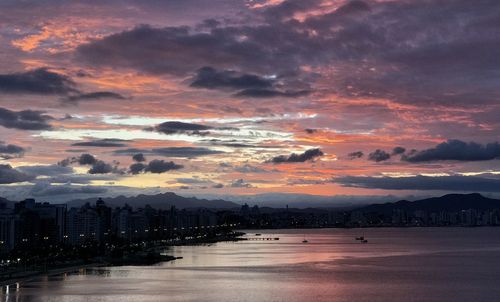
x: 39, y: 223
x: 7, y: 228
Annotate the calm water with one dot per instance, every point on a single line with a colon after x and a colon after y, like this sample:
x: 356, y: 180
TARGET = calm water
x: 427, y: 264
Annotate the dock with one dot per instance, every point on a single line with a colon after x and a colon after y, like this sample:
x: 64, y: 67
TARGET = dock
x: 262, y: 238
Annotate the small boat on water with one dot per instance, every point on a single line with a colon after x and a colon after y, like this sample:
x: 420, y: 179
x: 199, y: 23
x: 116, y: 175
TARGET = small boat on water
x: 305, y: 240
x: 361, y: 239
x: 258, y: 234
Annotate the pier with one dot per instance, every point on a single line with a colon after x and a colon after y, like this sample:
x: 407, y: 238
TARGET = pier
x: 262, y: 238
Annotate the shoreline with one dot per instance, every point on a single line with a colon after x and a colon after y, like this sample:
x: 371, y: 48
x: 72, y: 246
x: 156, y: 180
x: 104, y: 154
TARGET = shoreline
x: 135, y: 259
x: 51, y: 272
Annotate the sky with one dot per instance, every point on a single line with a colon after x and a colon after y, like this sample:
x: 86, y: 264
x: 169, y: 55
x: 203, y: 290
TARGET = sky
x: 242, y: 97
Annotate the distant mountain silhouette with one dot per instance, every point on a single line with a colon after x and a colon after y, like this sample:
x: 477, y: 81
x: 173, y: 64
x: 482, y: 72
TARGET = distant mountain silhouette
x: 159, y: 201
x: 302, y: 201
x: 449, y: 203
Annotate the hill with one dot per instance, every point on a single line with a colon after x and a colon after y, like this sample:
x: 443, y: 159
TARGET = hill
x: 449, y: 203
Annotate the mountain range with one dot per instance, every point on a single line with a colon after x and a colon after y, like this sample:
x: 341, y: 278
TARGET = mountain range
x: 158, y: 201
x: 449, y: 203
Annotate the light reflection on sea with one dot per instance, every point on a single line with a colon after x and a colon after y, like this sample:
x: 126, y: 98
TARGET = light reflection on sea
x: 419, y: 264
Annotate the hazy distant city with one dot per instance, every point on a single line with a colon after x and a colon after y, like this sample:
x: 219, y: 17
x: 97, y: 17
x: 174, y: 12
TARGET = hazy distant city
x: 30, y: 224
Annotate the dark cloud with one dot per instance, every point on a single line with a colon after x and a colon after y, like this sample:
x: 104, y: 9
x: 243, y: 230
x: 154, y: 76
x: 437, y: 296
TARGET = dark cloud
x: 66, y: 162
x: 171, y: 50
x: 8, y: 151
x: 297, y: 158
x: 180, y: 51
x: 45, y: 82
x: 210, y: 78
x: 155, y: 166
x: 398, y: 150
x: 443, y: 183
x: 10, y: 175
x: 420, y: 58
x: 161, y: 166
x: 311, y: 131
x: 45, y: 189
x: 94, y: 96
x: 400, y: 50
x: 25, y: 120
x: 139, y: 157
x: 270, y: 93
x: 86, y: 159
x: 37, y: 81
x: 137, y: 168
x: 101, y: 167
x: 180, y: 127
x: 218, y: 186
x: 354, y: 155
x: 379, y: 155
x: 97, y: 166
x: 187, y: 152
x: 456, y: 150
x: 107, y: 142
x: 46, y: 170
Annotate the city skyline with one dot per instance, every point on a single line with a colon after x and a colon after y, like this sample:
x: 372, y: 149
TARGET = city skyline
x: 232, y: 98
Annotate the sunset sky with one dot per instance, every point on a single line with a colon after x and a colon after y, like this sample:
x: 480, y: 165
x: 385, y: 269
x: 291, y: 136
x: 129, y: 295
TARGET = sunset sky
x: 239, y: 97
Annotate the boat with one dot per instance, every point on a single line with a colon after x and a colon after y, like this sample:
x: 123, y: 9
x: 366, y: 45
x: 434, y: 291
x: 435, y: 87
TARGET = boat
x: 258, y: 234
x: 364, y: 241
x: 360, y: 238
x: 305, y: 240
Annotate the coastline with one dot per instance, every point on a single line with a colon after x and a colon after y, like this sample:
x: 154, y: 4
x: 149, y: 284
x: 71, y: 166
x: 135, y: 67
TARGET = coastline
x: 51, y: 272
x: 140, y: 258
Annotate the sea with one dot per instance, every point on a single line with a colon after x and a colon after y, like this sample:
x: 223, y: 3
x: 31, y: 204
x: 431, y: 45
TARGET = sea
x: 395, y: 264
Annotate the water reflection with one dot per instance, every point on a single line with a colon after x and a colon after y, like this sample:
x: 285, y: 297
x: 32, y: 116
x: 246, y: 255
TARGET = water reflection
x: 396, y: 265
